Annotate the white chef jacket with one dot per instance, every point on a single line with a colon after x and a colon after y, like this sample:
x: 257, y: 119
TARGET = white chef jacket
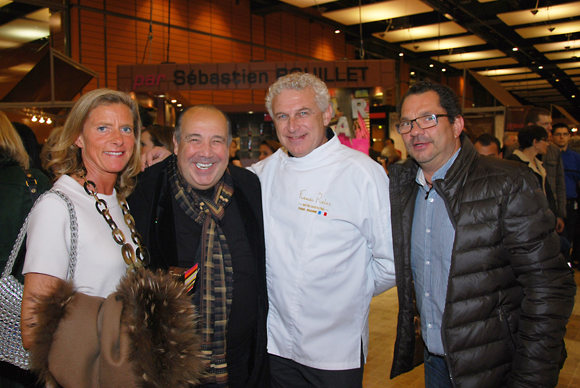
x: 329, y: 249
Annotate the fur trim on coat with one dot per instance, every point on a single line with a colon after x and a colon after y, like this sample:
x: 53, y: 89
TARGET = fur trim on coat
x: 143, y: 335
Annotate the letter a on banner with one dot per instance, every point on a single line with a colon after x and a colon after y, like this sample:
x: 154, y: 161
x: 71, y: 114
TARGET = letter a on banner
x: 342, y: 126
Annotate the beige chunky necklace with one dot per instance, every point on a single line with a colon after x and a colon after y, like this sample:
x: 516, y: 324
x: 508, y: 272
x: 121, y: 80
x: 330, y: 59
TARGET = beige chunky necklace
x: 133, y: 259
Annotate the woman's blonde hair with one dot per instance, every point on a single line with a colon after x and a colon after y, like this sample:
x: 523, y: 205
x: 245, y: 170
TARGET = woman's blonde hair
x: 61, y: 156
x: 11, y: 143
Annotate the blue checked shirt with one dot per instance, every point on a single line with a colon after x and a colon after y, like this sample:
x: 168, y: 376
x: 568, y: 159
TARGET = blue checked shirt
x: 431, y: 247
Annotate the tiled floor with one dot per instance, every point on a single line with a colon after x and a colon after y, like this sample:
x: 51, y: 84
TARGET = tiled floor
x: 383, y: 322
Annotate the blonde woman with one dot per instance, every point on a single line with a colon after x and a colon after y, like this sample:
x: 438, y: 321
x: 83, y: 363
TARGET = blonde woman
x: 98, y: 149
x: 113, y: 324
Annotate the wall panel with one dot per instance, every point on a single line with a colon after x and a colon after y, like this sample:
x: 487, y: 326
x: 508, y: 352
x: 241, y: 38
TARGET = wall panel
x: 201, y: 31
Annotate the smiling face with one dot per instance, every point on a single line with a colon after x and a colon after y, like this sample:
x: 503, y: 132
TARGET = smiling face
x: 300, y: 124
x: 431, y: 147
x: 107, y: 141
x: 202, y: 152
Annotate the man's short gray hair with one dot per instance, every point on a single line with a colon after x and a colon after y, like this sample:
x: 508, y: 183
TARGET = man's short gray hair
x: 177, y: 133
x: 299, y: 81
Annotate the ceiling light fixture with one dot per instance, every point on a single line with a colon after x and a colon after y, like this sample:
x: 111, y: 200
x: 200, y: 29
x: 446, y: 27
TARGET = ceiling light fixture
x: 515, y: 49
x: 401, y: 54
x: 34, y: 119
x: 444, y: 69
x: 337, y: 31
x: 573, y: 96
x: 574, y: 129
x: 179, y: 105
x: 431, y: 65
x: 41, y: 120
x: 551, y: 29
x: 173, y: 101
x: 557, y: 80
x: 540, y: 67
x: 48, y: 121
x: 412, y: 73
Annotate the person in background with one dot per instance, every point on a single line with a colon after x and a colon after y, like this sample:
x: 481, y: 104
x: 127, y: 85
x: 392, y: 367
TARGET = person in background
x: 233, y: 151
x: 16, y: 200
x: 268, y: 147
x: 30, y: 144
x: 508, y: 142
x: 552, y: 162
x: 389, y: 155
x: 391, y: 143
x: 197, y: 214
x: 488, y: 145
x: 574, y: 144
x: 156, y: 135
x: 571, y: 162
x: 475, y: 247
x: 328, y: 241
x: 533, y: 141
x: 145, y: 117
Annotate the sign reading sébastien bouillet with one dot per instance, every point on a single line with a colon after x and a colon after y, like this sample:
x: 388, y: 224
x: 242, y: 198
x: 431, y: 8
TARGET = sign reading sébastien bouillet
x: 252, y: 75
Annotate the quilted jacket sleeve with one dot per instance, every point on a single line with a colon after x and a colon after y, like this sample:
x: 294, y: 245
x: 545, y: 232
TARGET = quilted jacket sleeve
x: 533, y: 250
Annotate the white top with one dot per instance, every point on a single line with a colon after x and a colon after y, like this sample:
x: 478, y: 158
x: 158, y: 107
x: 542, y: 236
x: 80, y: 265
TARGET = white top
x: 100, y: 265
x: 329, y: 249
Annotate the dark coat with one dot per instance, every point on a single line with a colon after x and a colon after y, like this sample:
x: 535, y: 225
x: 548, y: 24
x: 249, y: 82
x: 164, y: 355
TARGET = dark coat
x: 509, y: 293
x: 552, y: 204
x: 15, y: 204
x: 151, y: 206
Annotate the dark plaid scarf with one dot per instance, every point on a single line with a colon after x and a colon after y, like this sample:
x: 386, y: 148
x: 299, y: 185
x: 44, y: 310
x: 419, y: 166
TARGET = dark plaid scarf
x: 216, y: 279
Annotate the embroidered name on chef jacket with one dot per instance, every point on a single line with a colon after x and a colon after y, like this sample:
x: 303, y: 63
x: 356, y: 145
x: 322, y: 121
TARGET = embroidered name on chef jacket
x: 312, y: 202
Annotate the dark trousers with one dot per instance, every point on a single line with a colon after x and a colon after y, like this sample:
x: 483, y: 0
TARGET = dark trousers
x: 436, y: 373
x: 287, y: 373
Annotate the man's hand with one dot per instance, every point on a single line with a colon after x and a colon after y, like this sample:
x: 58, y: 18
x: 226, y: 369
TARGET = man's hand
x: 155, y: 155
x: 559, y: 225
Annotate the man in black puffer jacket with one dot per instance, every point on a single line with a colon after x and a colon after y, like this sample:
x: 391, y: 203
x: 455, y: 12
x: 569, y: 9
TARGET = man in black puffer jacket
x: 474, y: 240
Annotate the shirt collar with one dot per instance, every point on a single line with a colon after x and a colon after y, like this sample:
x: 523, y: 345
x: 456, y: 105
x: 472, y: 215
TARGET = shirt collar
x: 439, y: 174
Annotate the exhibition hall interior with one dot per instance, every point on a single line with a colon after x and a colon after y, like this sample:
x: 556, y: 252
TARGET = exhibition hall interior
x: 500, y: 57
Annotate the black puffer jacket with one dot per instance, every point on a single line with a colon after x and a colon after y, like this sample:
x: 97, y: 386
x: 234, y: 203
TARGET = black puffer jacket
x: 509, y: 292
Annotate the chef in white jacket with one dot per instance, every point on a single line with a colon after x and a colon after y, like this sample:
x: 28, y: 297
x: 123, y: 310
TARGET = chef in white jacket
x: 328, y: 241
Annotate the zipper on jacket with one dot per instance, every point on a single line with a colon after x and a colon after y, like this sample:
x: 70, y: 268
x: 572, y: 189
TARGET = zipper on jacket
x: 506, y: 328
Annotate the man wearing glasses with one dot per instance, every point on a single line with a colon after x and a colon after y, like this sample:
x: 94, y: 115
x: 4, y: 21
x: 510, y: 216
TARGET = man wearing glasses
x: 474, y: 244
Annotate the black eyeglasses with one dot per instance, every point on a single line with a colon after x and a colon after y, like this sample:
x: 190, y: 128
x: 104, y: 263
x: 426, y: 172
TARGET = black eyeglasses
x: 423, y: 122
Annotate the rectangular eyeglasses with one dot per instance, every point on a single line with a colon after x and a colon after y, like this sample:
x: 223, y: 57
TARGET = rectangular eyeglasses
x: 423, y: 122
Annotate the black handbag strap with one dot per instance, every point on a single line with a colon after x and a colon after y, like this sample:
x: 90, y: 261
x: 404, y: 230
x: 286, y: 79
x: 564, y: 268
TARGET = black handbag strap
x: 32, y: 185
